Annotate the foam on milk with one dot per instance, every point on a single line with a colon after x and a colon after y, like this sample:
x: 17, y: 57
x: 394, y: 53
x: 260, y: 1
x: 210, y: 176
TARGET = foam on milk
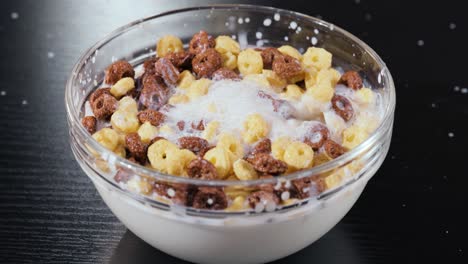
x: 233, y: 102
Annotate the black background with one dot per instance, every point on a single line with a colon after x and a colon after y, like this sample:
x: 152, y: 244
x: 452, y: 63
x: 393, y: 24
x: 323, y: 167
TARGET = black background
x: 412, y: 210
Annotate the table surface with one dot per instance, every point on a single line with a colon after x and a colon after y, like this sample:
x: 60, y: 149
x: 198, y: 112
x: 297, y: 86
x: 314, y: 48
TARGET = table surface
x: 413, y: 209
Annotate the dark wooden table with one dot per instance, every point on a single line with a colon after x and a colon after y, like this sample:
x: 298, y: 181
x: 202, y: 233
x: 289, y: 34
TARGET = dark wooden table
x: 414, y: 209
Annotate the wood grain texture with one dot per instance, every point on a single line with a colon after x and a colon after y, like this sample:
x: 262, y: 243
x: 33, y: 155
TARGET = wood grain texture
x: 410, y: 211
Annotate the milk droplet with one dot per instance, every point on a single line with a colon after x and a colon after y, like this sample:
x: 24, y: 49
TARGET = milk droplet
x: 420, y: 42
x: 267, y: 22
x: 293, y: 24
x: 277, y: 17
x: 314, y: 41
x: 14, y: 15
x: 258, y: 35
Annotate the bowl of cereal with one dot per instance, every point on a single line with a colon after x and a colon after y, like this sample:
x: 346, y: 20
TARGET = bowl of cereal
x: 230, y: 133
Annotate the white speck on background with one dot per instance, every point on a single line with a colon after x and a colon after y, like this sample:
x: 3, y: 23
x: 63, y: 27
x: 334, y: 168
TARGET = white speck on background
x: 403, y: 205
x: 433, y: 105
x: 286, y: 38
x: 277, y: 17
x: 313, y: 40
x: 420, y: 42
x: 464, y: 90
x: 3, y: 93
x: 24, y: 102
x: 267, y: 22
x: 51, y: 55
x: 368, y: 17
x: 316, y: 31
x: 293, y: 25
x: 260, y: 43
x: 14, y: 15
x: 456, y: 88
x: 357, y: 1
x: 299, y: 29
x: 446, y: 231
x: 451, y: 134
x: 226, y: 24
x: 452, y: 26
x: 247, y: 19
x: 240, y: 20
x: 258, y: 35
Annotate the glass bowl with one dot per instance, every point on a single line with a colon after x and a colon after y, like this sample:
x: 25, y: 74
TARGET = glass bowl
x: 211, y: 236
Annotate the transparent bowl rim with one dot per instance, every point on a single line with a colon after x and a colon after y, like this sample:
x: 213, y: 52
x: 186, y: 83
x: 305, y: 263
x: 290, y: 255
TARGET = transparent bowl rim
x: 73, y: 114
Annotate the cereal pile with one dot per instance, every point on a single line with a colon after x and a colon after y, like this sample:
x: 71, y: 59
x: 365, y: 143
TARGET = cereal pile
x: 216, y: 112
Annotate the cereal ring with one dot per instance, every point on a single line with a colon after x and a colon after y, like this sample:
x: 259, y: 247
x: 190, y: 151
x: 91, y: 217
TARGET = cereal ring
x: 200, y: 126
x: 286, y: 66
x: 93, y: 96
x: 206, y: 63
x: 179, y: 193
x: 201, y: 42
x: 148, y: 65
x: 182, y: 59
x: 194, y: 144
x: 268, y: 55
x: 167, y: 71
x: 181, y: 125
x: 263, y: 146
x: 307, y: 187
x: 225, y: 73
x: 104, y: 106
x: 136, y: 147
x: 265, y: 163
x: 155, y: 93
x: 89, y: 122
x: 122, y: 176
x: 342, y: 107
x: 201, y: 169
x: 262, y: 200
x: 351, y: 79
x: 154, y: 117
x: 119, y: 70
x: 210, y: 198
x: 316, y: 136
x: 333, y: 149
